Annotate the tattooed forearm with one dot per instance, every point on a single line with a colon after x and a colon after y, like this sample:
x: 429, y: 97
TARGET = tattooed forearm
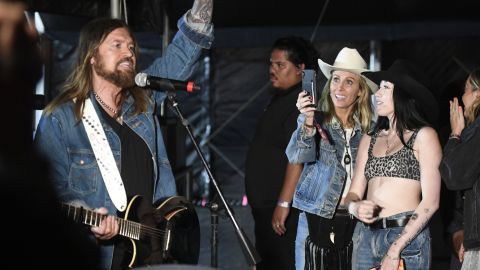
x: 412, y: 229
x: 202, y: 11
x: 404, y: 232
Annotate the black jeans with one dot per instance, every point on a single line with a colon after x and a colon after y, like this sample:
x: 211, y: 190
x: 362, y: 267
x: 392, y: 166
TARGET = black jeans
x: 277, y: 252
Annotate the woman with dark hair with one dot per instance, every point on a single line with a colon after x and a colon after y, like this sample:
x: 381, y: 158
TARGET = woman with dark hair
x: 398, y: 163
x: 460, y: 167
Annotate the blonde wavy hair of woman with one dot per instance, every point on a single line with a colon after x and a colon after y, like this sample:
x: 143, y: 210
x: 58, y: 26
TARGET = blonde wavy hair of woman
x: 79, y: 83
x: 474, y: 111
x: 362, y: 106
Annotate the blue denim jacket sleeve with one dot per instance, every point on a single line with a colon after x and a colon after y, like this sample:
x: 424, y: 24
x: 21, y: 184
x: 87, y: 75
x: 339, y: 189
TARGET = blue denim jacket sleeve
x: 178, y: 63
x: 301, y: 148
x: 181, y: 56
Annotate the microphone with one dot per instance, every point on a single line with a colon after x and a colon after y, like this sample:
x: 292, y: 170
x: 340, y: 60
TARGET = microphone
x: 148, y: 81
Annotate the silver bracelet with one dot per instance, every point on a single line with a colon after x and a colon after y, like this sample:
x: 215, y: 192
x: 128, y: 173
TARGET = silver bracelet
x: 283, y: 204
x: 351, y: 208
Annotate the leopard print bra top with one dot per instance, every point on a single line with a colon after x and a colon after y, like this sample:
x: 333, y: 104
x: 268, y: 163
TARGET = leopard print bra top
x: 402, y: 164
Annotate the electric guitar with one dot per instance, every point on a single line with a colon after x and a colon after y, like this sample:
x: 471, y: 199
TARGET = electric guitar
x: 167, y: 232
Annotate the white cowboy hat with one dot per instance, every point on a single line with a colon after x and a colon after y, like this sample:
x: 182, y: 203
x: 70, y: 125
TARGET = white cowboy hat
x: 348, y: 60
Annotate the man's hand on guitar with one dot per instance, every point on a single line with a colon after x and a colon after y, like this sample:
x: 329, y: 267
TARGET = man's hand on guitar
x: 108, y: 226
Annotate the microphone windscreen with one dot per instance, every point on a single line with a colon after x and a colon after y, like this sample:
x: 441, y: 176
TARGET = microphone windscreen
x: 141, y: 79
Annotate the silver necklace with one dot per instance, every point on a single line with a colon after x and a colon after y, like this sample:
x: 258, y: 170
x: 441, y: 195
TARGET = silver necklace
x: 387, y: 152
x: 104, y: 104
x: 347, y: 158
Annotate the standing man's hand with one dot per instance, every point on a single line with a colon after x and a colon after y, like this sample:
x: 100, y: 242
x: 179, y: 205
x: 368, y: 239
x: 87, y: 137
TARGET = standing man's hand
x: 280, y: 215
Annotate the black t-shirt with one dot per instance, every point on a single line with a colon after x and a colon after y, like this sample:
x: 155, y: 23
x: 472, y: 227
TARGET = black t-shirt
x: 137, y: 174
x: 136, y: 160
x: 266, y: 159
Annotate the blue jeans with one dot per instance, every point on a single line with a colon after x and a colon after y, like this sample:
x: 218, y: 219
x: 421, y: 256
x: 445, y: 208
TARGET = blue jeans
x: 302, y: 234
x: 370, y: 245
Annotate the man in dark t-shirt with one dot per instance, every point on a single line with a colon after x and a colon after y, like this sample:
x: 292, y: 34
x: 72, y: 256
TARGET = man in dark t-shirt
x: 267, y: 164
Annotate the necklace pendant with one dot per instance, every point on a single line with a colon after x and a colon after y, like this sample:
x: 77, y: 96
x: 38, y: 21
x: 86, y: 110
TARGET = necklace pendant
x: 347, y: 159
x: 119, y: 119
x: 332, y: 237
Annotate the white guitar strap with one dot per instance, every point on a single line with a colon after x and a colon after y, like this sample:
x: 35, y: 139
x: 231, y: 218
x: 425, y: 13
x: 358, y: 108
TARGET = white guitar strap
x: 104, y: 156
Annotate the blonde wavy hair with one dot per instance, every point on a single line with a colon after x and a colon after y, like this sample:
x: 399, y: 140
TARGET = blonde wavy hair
x: 362, y: 107
x: 79, y: 83
x: 473, y: 111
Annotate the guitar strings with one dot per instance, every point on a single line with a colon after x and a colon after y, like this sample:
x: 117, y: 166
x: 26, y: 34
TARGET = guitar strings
x: 94, y: 219
x: 144, y: 229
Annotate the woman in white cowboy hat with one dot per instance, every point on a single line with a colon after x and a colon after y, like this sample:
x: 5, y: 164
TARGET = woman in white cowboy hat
x: 326, y: 142
x: 398, y: 164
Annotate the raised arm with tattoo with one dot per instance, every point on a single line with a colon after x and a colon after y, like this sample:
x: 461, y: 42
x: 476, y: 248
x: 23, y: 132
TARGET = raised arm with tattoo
x: 202, y: 11
x: 200, y: 16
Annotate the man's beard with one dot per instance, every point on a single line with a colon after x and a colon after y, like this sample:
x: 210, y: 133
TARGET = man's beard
x: 122, y: 79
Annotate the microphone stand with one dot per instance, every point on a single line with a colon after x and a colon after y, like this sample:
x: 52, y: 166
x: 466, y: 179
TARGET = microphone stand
x: 248, y: 249
x: 213, y: 206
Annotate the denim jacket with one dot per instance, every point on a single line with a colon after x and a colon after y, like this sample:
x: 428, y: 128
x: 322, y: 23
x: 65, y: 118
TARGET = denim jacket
x: 62, y: 140
x: 321, y: 183
x: 460, y: 170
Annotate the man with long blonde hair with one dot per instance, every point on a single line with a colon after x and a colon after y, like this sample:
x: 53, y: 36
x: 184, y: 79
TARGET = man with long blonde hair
x: 101, y: 135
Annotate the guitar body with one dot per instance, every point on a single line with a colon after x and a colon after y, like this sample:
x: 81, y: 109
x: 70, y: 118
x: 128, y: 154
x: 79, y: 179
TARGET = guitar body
x: 170, y: 232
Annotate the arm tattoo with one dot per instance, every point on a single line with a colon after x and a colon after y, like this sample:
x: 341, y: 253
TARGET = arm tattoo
x: 414, y: 217
x: 202, y: 11
x: 399, y: 236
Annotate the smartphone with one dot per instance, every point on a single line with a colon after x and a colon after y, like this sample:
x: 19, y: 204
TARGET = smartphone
x: 309, y: 84
x: 401, y: 266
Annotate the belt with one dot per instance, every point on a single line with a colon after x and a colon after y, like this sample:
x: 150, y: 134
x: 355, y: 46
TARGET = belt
x: 385, y: 223
x: 343, y: 212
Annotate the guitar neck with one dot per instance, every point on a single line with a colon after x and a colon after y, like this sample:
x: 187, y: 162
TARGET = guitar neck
x: 89, y: 217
